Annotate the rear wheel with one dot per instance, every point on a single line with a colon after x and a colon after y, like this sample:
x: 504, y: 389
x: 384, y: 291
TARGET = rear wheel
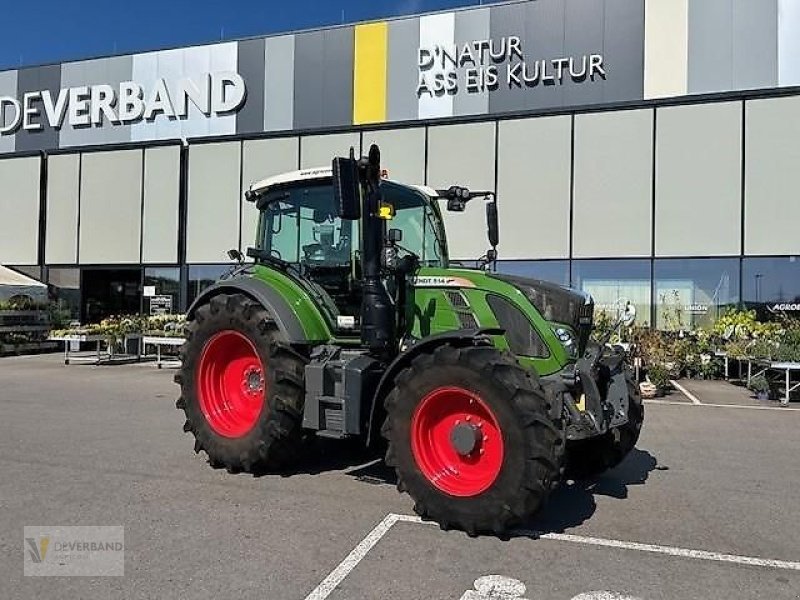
x: 591, y: 457
x: 470, y: 438
x: 241, y: 386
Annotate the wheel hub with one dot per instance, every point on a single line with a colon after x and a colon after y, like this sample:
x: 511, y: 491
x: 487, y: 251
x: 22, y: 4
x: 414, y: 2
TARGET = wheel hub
x: 464, y: 437
x: 456, y: 441
x: 231, y: 385
x: 253, y: 381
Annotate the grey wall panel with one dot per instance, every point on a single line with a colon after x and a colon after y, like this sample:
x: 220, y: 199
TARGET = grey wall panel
x: 755, y: 43
x: 309, y: 79
x: 110, y: 71
x: 584, y: 24
x: 8, y: 87
x: 37, y: 79
x: 401, y: 96
x: 510, y: 19
x: 698, y: 180
x: 623, y: 50
x: 261, y: 159
x: 160, y: 213
x: 212, y: 219
x: 63, y: 188
x: 279, y: 83
x: 471, y: 25
x: 319, y: 150
x: 111, y: 207
x: 612, y: 211
x: 533, y: 187
x: 250, y: 117
x: 19, y: 208
x: 772, y: 211
x: 449, y: 164
x: 337, y: 100
x: 710, y: 44
x: 402, y: 152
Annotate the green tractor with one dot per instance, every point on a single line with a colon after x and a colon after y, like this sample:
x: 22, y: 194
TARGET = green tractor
x: 353, y: 322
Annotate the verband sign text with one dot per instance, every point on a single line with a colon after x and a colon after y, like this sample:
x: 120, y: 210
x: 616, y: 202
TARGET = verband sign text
x: 82, y: 106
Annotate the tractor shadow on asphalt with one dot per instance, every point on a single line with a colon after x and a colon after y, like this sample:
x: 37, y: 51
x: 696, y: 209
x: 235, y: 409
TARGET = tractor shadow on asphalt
x: 351, y: 456
x: 574, y: 502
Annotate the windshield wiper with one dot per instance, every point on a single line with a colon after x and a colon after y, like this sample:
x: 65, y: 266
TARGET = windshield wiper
x: 264, y: 256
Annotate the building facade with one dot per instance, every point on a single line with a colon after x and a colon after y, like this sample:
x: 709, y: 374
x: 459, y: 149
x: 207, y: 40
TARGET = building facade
x: 639, y: 149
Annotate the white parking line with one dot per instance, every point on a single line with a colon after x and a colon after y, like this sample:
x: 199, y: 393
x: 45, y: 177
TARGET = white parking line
x: 357, y: 554
x: 324, y: 589
x: 707, y: 405
x: 685, y: 392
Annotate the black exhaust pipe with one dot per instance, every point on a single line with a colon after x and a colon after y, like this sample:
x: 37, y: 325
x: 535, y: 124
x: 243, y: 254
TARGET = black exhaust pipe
x: 377, y: 310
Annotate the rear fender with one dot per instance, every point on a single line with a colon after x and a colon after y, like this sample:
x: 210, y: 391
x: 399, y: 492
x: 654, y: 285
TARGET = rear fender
x: 456, y: 337
x: 285, y: 318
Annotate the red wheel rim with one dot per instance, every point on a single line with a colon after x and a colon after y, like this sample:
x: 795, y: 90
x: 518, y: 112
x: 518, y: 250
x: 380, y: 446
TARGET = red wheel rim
x: 456, y: 441
x: 231, y: 384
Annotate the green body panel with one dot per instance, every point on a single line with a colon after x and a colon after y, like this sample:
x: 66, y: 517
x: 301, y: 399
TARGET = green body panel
x: 308, y: 309
x: 431, y: 311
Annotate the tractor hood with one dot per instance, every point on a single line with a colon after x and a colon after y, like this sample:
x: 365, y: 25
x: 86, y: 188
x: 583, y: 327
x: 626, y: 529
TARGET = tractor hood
x: 557, y: 304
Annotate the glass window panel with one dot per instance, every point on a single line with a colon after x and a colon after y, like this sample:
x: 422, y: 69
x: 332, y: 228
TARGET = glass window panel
x: 767, y: 282
x: 204, y: 276
x: 612, y: 283
x: 64, y: 290
x: 167, y: 282
x: 556, y: 271
x: 693, y: 293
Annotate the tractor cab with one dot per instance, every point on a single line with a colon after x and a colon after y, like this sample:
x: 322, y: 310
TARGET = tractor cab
x: 299, y: 228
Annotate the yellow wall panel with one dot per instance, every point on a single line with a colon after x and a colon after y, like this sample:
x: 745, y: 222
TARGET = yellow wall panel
x: 369, y: 83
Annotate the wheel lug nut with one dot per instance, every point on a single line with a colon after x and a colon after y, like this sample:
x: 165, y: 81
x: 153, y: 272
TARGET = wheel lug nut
x: 486, y: 438
x: 481, y: 451
x: 469, y: 418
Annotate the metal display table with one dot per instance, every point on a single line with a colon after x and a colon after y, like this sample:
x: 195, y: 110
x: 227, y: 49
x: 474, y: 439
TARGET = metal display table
x: 99, y: 355
x: 72, y: 356
x: 159, y: 342
x: 767, y: 365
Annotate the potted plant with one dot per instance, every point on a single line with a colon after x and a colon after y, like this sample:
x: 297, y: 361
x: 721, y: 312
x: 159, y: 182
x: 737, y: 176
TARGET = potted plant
x: 760, y: 387
x: 658, y: 375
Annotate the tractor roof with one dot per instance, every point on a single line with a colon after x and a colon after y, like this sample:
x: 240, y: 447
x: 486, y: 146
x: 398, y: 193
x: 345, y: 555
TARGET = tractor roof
x: 262, y: 187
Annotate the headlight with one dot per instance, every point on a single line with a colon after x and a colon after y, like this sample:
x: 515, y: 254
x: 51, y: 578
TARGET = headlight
x: 567, y: 339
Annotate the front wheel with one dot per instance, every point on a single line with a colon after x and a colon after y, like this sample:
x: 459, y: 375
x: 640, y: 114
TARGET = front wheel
x: 470, y: 438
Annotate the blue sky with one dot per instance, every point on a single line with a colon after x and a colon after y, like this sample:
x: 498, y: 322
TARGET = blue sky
x: 46, y: 31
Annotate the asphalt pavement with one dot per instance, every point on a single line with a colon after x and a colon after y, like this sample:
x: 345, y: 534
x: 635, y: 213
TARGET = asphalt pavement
x: 705, y: 507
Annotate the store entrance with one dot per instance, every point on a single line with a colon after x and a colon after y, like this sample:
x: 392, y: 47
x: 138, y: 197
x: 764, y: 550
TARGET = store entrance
x: 109, y: 292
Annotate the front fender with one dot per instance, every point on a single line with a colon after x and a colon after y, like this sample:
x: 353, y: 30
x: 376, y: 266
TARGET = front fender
x: 457, y: 337
x: 285, y: 318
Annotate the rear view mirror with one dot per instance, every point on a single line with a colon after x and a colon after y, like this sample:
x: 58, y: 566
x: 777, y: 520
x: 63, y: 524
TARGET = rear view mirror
x: 492, y: 227
x: 346, y: 192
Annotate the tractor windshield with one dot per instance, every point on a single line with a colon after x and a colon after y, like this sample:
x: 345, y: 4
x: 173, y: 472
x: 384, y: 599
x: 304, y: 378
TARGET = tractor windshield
x: 419, y: 222
x: 300, y: 226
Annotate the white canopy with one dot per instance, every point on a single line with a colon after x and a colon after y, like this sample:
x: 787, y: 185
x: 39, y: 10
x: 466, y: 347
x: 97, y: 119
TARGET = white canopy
x: 13, y: 284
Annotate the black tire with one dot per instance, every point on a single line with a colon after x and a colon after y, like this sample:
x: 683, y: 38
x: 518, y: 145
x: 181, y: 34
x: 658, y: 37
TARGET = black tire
x: 589, y: 458
x: 532, y: 442
x: 274, y: 440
